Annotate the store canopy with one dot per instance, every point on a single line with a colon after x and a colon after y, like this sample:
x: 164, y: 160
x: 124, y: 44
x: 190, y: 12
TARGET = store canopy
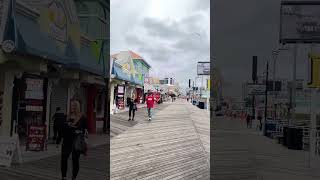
x: 136, y: 80
x: 119, y: 74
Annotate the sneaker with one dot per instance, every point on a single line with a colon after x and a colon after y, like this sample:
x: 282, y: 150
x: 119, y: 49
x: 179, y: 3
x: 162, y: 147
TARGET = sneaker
x: 129, y: 119
x: 132, y: 119
x: 149, y: 119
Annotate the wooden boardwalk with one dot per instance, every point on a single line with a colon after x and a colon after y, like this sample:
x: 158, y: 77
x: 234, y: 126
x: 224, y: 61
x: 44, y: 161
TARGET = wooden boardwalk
x: 119, y: 122
x: 92, y: 167
x: 241, y: 153
x: 174, y: 145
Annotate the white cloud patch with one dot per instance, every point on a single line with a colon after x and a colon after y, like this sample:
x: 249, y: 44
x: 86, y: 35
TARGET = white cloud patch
x: 171, y: 39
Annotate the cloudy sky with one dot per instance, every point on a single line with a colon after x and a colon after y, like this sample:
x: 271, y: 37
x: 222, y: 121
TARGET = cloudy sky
x: 245, y: 28
x: 171, y: 35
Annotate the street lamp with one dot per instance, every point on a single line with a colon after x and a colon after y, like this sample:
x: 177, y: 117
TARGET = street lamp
x: 275, y: 54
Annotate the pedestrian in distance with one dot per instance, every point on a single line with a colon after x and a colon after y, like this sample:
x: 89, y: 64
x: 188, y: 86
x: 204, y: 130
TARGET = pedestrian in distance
x: 74, y: 132
x: 58, y: 119
x: 132, y: 107
x: 260, y: 122
x: 150, y: 104
x: 248, y: 120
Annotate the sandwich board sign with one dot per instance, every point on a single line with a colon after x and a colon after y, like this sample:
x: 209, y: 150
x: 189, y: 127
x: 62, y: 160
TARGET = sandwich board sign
x: 9, y: 151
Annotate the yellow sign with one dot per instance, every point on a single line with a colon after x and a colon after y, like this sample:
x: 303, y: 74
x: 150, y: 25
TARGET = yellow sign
x: 57, y: 21
x: 314, y: 71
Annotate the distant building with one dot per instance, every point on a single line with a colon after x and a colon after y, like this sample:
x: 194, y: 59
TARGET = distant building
x: 168, y: 81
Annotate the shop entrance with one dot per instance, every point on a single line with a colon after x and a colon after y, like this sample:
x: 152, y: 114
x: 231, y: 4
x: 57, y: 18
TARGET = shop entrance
x: 29, y: 111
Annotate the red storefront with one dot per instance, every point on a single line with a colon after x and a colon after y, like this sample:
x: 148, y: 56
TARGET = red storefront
x: 139, y: 95
x: 95, y: 108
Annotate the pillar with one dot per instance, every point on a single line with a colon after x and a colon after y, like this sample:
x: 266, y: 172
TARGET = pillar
x: 7, y: 101
x: 48, y: 101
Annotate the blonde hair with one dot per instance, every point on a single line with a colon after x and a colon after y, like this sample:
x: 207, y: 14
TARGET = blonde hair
x: 77, y: 112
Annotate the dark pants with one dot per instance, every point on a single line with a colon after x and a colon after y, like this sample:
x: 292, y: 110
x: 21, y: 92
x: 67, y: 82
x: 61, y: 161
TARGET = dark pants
x: 55, y: 132
x: 133, y: 112
x: 66, y: 151
x: 248, y: 123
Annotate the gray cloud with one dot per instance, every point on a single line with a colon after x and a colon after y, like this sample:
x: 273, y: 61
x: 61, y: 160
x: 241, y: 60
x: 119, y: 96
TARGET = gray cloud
x: 169, y: 44
x: 162, y: 29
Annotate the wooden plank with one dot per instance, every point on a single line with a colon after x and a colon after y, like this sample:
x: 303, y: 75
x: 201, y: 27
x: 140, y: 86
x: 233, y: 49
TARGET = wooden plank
x: 167, y: 147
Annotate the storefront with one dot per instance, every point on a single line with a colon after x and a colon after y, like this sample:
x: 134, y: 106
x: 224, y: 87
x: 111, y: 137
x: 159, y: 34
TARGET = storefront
x: 120, y: 96
x: 29, y: 103
x: 139, y: 95
x: 58, y: 98
x: 119, y: 88
x: 99, y: 109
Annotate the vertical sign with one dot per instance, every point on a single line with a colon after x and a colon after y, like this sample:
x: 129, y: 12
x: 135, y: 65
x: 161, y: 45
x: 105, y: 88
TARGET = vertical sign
x: 314, y: 80
x: 254, y: 68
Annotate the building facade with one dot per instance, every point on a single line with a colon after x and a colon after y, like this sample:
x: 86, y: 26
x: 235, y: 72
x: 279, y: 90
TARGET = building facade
x: 128, y: 77
x: 46, y: 60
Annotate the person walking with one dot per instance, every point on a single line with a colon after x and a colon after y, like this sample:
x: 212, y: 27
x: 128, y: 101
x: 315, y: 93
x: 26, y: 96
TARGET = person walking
x: 150, y: 104
x: 260, y: 122
x: 58, y: 119
x: 248, y: 120
x: 74, y: 131
x: 132, y: 107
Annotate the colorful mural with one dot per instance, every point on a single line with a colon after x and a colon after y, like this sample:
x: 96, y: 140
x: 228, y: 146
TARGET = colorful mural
x: 56, y: 20
x: 55, y: 35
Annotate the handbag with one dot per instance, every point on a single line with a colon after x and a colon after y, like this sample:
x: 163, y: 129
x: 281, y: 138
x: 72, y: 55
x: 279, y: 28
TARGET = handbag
x: 79, y: 143
x: 135, y: 107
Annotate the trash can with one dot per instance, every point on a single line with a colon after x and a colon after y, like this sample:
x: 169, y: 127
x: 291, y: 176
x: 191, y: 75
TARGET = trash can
x: 201, y: 105
x: 285, y: 134
x: 294, y: 138
x: 270, y: 127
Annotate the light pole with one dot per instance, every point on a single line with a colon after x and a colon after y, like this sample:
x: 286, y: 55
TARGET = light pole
x: 266, y: 100
x: 275, y: 54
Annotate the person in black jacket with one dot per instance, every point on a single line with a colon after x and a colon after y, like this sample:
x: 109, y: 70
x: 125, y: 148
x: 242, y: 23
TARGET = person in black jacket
x: 75, y: 125
x: 132, y: 107
x: 58, y: 119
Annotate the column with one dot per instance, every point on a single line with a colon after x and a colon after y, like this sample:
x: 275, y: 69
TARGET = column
x: 49, y: 90
x: 7, y: 100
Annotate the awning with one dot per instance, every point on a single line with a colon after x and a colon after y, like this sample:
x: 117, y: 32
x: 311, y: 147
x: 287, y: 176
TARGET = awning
x: 119, y: 74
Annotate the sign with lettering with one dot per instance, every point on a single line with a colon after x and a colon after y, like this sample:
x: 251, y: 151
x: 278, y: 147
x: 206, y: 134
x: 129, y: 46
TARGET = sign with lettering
x: 256, y: 89
x: 36, y: 138
x: 9, y: 150
x: 300, y: 22
x: 121, y: 103
x: 203, y: 68
x: 314, y: 74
